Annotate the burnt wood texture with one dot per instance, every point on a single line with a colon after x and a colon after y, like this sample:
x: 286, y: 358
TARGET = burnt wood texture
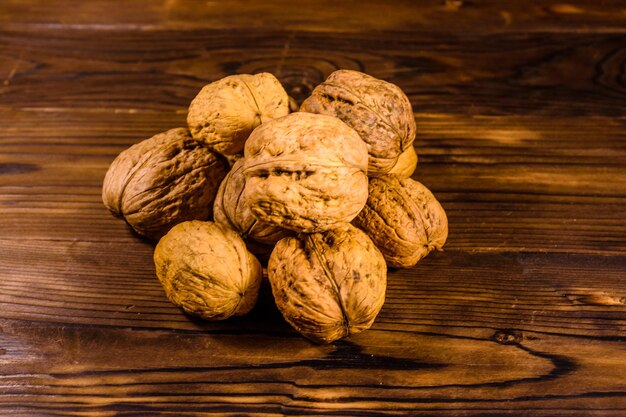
x: 521, y: 114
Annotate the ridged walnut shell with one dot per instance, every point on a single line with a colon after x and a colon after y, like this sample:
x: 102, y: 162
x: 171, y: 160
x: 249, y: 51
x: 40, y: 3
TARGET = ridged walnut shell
x: 378, y: 110
x: 403, y: 219
x: 328, y: 285
x: 231, y: 210
x: 206, y: 270
x: 162, y: 181
x: 406, y: 164
x: 226, y: 111
x: 305, y: 172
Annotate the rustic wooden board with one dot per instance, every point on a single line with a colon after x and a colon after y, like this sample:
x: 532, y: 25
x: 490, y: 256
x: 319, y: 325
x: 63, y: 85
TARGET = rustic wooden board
x: 522, y: 137
x: 440, y: 16
x: 163, y: 70
x: 508, y: 183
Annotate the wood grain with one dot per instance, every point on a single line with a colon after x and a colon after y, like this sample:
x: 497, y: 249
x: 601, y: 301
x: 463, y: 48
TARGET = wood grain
x: 508, y: 183
x: 142, y: 71
x: 444, y: 16
x: 537, y: 292
x: 522, y: 137
x: 514, y: 370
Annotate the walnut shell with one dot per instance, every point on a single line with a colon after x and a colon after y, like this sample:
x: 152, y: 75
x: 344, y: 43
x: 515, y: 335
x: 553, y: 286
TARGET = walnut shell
x: 403, y: 219
x: 293, y: 105
x: 406, y: 164
x: 378, y: 110
x: 231, y: 210
x: 206, y: 270
x: 328, y: 285
x: 305, y: 172
x: 162, y: 181
x: 226, y: 111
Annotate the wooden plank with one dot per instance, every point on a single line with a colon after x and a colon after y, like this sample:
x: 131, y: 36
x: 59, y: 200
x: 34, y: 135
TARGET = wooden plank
x: 508, y: 183
x: 449, y: 16
x: 376, y: 373
x: 164, y: 70
x: 89, y: 283
x: 441, y: 137
x: 496, y: 224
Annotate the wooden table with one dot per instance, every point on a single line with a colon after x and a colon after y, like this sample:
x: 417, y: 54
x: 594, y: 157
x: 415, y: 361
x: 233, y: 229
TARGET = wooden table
x: 521, y: 115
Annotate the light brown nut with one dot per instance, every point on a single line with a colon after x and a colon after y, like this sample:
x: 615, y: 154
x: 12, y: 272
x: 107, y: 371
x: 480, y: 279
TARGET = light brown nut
x: 406, y: 164
x: 231, y: 210
x: 404, y: 220
x: 206, y: 270
x: 226, y: 111
x: 378, y: 110
x: 162, y: 181
x: 305, y: 172
x: 293, y: 105
x: 328, y: 285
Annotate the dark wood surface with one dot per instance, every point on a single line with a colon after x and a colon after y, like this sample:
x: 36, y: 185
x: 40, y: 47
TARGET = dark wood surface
x: 521, y: 112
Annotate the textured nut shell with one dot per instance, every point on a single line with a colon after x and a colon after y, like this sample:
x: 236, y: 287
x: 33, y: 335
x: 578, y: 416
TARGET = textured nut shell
x: 404, y: 220
x: 226, y: 111
x: 230, y: 210
x: 293, y: 105
x: 305, y: 172
x: 378, y: 110
x: 206, y: 270
x: 406, y: 164
x: 162, y: 181
x: 328, y: 285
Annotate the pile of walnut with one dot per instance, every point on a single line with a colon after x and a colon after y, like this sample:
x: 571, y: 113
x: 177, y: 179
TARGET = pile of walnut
x: 326, y: 189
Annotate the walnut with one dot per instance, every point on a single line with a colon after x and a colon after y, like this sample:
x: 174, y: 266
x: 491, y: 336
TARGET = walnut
x: 293, y: 105
x: 231, y: 210
x: 404, y: 220
x: 305, y: 172
x: 226, y: 111
x: 406, y: 164
x: 162, y: 181
x: 328, y: 285
x: 379, y: 111
x: 206, y: 270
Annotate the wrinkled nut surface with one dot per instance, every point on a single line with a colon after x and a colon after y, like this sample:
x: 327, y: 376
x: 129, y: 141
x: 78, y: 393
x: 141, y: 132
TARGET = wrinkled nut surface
x: 406, y: 164
x: 162, y: 181
x: 378, y: 110
x: 328, y: 285
x: 305, y: 172
x: 226, y: 111
x: 206, y: 270
x: 231, y: 210
x: 403, y: 219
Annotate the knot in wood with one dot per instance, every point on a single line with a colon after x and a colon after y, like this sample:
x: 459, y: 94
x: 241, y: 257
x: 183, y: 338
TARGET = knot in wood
x: 508, y: 337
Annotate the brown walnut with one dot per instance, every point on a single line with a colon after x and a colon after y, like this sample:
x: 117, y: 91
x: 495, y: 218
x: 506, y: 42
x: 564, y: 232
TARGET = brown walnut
x: 206, y: 270
x: 293, y: 105
x: 328, y: 285
x: 406, y: 164
x: 162, y: 181
x: 226, y: 111
x: 305, y: 172
x: 231, y: 210
x: 378, y: 110
x: 403, y: 219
